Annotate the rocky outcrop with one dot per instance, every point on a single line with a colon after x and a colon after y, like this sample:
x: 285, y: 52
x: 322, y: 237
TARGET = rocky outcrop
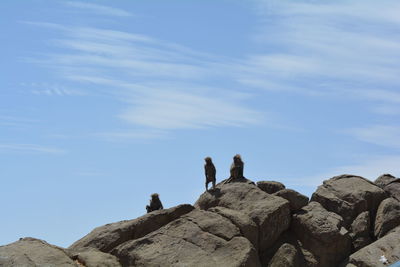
x: 270, y: 187
x: 348, y: 196
x: 267, y: 211
x: 350, y: 221
x: 107, y: 237
x: 199, y: 238
x: 387, y: 217
x: 296, y: 200
x: 369, y: 256
x: 360, y: 231
x: 322, y: 233
x: 34, y: 252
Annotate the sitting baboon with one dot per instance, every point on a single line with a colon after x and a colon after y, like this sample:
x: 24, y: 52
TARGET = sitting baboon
x: 210, y: 172
x: 155, y: 203
x: 236, y: 168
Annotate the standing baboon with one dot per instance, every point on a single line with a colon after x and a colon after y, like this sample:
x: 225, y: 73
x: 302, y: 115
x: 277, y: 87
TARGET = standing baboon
x: 210, y: 172
x: 155, y: 203
x: 236, y: 168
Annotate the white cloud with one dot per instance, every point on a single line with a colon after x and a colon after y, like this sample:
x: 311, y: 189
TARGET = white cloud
x: 29, y: 148
x: 384, y: 135
x: 99, y: 9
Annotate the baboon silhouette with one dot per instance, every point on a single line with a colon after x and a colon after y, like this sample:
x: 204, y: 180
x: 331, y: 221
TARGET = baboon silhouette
x: 155, y: 203
x: 210, y: 172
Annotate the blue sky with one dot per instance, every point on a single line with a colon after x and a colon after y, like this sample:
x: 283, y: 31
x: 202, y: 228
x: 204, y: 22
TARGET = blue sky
x: 104, y: 102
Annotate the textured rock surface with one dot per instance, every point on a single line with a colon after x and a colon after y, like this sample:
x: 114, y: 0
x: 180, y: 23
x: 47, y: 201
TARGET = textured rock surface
x: 199, y: 238
x: 34, y: 252
x: 388, y: 246
x: 360, y: 231
x: 387, y: 217
x: 348, y: 196
x: 106, y: 237
x: 287, y: 256
x: 384, y: 180
x: 91, y: 257
x: 267, y: 211
x: 270, y: 187
x: 390, y: 184
x: 296, y: 200
x: 321, y: 232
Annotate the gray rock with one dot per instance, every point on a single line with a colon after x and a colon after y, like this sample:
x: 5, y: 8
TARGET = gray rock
x: 34, y: 252
x: 270, y: 187
x: 270, y: 213
x: 91, y: 257
x: 384, y: 180
x: 348, y: 196
x: 387, y: 217
x: 388, y: 246
x: 287, y: 256
x: 393, y: 189
x: 199, y: 238
x: 322, y: 233
x: 360, y: 231
x: 106, y: 237
x: 296, y: 200
x: 247, y: 227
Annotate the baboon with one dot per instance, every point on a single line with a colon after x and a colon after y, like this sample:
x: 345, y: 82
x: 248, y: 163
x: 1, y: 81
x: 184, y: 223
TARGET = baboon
x: 155, y: 203
x: 210, y: 172
x: 236, y: 168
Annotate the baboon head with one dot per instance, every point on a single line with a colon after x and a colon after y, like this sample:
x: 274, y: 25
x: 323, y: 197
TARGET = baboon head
x: 208, y: 159
x: 237, y: 158
x: 154, y: 196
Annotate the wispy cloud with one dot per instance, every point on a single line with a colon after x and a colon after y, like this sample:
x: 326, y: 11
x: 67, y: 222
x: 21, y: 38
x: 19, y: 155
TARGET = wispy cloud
x: 30, y: 148
x: 49, y: 89
x: 385, y: 135
x: 99, y: 9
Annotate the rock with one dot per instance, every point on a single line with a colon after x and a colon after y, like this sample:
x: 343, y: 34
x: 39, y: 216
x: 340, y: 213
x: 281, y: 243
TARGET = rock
x: 91, y: 257
x: 296, y: 200
x: 322, y: 233
x: 270, y: 187
x: 287, y: 256
x: 34, y: 252
x: 105, y: 238
x: 388, y: 246
x: 393, y: 188
x: 270, y: 213
x: 348, y: 196
x: 384, y: 180
x: 247, y: 227
x: 360, y: 230
x: 387, y: 217
x: 199, y: 238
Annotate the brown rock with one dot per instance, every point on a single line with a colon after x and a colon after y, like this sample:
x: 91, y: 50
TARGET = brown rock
x: 348, y: 196
x: 322, y: 233
x: 34, y: 252
x: 296, y: 200
x: 287, y: 256
x: 387, y: 217
x: 388, y: 246
x: 91, y: 257
x: 106, y: 237
x: 199, y: 238
x: 384, y: 180
x: 360, y: 231
x: 270, y: 213
x: 270, y: 187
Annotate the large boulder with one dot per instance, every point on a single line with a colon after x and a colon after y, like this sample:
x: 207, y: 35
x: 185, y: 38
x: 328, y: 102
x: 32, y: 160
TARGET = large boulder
x: 388, y: 246
x: 390, y: 184
x: 270, y: 187
x: 107, y: 237
x: 387, y: 217
x: 296, y: 200
x: 270, y: 213
x: 199, y: 238
x: 360, y: 231
x: 322, y: 233
x: 34, y: 252
x: 348, y: 196
x: 287, y: 256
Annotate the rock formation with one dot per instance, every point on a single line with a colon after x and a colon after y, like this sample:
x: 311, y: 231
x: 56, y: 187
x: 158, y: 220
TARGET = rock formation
x: 349, y: 221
